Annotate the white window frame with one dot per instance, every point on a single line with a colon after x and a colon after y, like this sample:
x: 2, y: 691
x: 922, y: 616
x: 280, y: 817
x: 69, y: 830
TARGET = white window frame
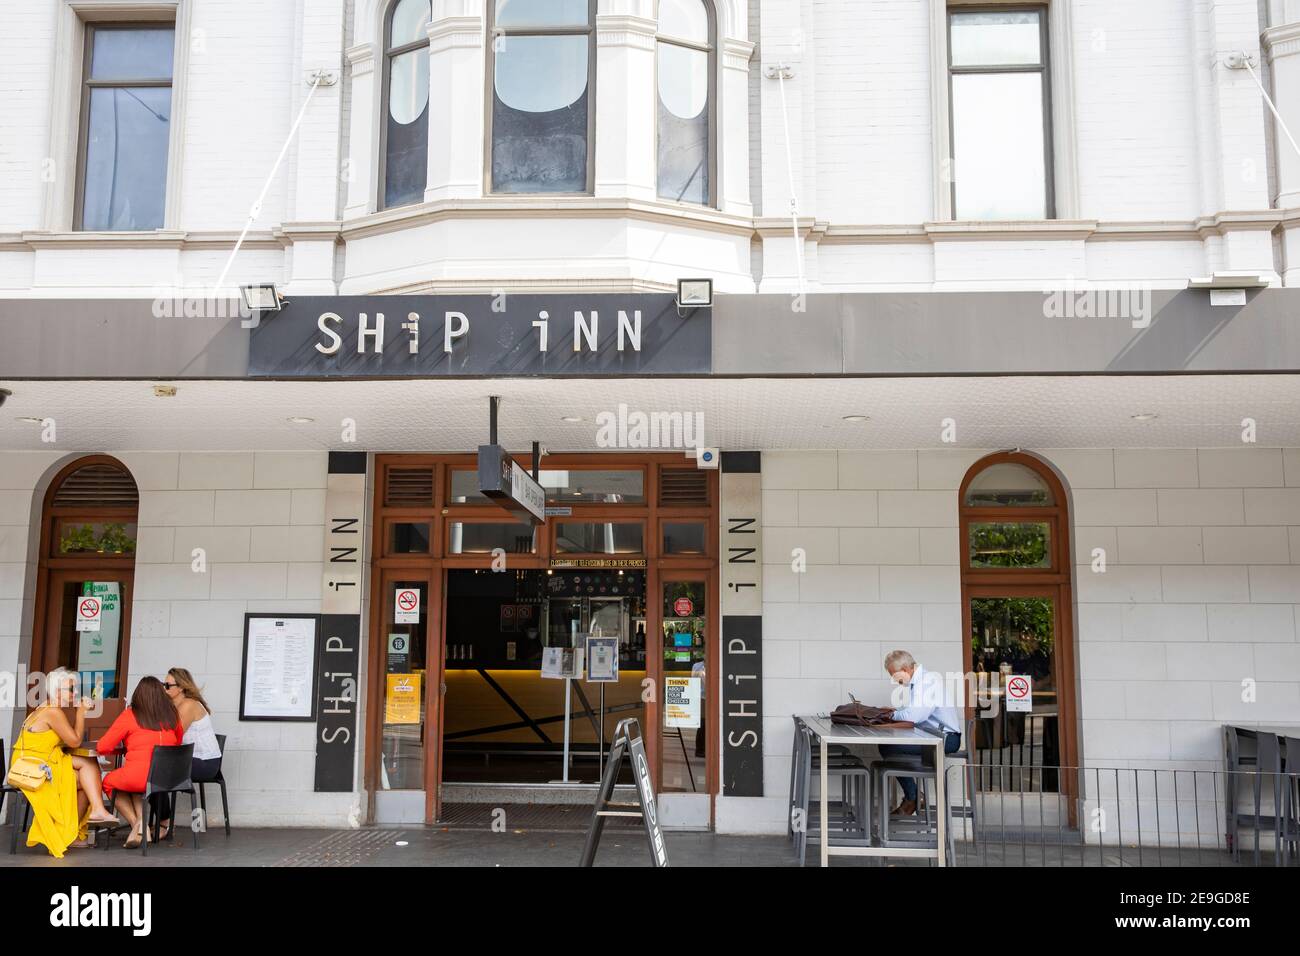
x: 1063, y: 175
x: 65, y: 105
x: 711, y: 50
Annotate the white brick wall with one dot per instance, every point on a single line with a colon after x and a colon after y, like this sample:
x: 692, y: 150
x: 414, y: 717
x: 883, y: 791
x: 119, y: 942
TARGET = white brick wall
x: 259, y: 518
x: 1162, y: 137
x: 1201, y: 591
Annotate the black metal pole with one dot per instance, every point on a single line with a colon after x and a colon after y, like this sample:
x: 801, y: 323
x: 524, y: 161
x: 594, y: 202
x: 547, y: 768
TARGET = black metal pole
x: 493, y: 403
x: 537, y: 460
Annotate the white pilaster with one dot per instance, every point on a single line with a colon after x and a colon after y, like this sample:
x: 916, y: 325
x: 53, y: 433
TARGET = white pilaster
x: 316, y: 169
x: 457, y: 107
x: 625, y: 100
x: 363, y: 136
x: 733, y: 126
x: 1238, y: 120
x: 1282, y: 50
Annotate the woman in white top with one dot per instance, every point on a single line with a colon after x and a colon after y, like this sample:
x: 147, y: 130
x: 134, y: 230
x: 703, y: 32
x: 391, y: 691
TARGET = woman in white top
x: 196, y: 721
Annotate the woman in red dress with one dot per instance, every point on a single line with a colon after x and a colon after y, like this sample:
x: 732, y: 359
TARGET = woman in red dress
x: 150, y: 721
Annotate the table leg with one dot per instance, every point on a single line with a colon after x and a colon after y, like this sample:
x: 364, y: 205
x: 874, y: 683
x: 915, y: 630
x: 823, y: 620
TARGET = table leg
x: 825, y: 800
x: 940, y: 775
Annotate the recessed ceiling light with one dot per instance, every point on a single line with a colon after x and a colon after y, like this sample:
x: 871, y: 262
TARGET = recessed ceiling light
x: 29, y: 419
x: 1145, y: 417
x: 856, y: 419
x: 164, y: 391
x: 571, y: 418
x: 300, y: 420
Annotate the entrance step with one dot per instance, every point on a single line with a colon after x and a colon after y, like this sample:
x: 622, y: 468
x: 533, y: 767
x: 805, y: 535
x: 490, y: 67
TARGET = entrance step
x: 550, y: 794
x: 553, y: 817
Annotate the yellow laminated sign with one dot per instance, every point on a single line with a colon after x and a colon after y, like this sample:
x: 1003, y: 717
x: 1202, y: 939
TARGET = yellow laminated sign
x: 402, y: 700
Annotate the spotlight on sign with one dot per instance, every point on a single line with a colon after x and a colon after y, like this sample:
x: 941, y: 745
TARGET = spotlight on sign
x: 694, y: 294
x: 261, y: 297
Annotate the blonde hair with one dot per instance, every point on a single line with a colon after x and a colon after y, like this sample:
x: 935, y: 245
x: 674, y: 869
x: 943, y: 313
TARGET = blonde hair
x: 189, y: 689
x: 899, y: 660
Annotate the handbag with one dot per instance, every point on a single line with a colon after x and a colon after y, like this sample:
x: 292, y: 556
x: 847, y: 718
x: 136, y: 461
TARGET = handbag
x: 858, y: 714
x: 28, y: 773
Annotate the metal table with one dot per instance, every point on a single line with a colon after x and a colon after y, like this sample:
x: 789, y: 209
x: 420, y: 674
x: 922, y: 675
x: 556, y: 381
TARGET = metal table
x: 828, y: 733
x: 1279, y: 730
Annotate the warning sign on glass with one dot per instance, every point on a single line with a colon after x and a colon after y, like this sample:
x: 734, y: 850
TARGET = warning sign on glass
x: 1020, y: 693
x: 88, y: 613
x: 406, y: 606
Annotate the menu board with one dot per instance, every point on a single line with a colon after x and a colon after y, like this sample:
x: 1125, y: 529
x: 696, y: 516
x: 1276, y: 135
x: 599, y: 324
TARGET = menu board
x: 279, y: 673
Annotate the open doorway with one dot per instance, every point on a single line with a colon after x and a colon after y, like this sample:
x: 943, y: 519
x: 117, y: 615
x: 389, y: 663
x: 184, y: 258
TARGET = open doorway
x: 521, y: 705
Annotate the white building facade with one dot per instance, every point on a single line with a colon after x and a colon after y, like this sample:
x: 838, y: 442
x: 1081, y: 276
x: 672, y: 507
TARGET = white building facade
x: 936, y: 231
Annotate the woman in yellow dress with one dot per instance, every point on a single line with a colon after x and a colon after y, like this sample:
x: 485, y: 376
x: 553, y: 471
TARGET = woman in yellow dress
x: 64, y: 805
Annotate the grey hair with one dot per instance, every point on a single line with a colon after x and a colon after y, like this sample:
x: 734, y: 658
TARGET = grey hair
x: 896, y: 660
x: 54, y: 681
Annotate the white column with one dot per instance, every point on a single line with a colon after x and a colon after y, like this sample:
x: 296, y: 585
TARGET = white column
x: 787, y: 39
x: 313, y: 195
x: 359, y: 168
x: 733, y: 126
x: 457, y: 108
x: 1282, y: 50
x: 1238, y: 124
x: 625, y: 99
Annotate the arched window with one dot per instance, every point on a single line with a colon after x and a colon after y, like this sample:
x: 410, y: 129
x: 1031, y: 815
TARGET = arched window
x: 86, y: 574
x: 1017, y: 617
x: 405, y: 167
x: 685, y: 96
x: 542, y: 60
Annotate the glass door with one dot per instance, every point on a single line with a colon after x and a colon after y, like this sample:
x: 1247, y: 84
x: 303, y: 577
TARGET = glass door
x: 87, y: 621
x: 405, y: 687
x: 683, y: 721
x: 1013, y: 643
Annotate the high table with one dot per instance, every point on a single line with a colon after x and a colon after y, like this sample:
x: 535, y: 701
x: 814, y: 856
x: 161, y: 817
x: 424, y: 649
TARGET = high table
x: 847, y: 734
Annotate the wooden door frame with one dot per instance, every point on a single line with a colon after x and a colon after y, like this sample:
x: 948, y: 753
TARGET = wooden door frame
x: 709, y: 577
x: 1056, y: 582
x: 49, y: 566
x: 440, y: 513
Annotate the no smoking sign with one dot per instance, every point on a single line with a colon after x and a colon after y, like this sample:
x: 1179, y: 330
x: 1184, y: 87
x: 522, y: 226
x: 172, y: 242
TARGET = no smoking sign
x: 88, y: 613
x: 1020, y: 693
x: 406, y: 609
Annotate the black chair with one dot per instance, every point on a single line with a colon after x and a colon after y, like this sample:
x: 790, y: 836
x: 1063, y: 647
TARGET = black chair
x: 21, y: 817
x: 220, y: 781
x: 169, y: 774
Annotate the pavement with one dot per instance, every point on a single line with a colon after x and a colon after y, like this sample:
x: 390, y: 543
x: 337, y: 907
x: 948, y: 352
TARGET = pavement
x: 431, y: 846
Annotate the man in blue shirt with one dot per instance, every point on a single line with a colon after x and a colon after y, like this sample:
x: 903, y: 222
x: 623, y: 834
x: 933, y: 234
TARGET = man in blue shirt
x: 923, y: 707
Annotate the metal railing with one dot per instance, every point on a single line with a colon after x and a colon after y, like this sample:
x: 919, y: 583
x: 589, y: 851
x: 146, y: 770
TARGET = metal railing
x: 1018, y: 815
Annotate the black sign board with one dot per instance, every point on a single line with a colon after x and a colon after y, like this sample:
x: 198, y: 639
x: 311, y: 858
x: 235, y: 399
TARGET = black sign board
x: 481, y: 335
x: 504, y: 480
x: 336, y: 704
x: 338, y: 658
x: 627, y: 743
x: 742, y: 706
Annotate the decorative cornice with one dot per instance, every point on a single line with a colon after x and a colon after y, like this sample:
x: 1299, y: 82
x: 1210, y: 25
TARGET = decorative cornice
x: 1011, y: 231
x: 575, y: 207
x: 618, y: 29
x: 451, y: 33
x: 736, y: 54
x: 361, y: 58
x: 1281, y: 41
x: 585, y: 207
x: 464, y: 286
x: 158, y: 239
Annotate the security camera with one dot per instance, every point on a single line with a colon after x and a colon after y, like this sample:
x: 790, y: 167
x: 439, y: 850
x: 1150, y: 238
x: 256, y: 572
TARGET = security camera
x: 4, y: 395
x: 707, y: 458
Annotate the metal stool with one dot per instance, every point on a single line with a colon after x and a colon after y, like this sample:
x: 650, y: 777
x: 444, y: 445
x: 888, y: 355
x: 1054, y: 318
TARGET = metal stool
x: 849, y: 818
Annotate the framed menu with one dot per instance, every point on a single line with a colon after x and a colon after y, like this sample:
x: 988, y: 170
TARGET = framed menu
x: 278, y: 678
